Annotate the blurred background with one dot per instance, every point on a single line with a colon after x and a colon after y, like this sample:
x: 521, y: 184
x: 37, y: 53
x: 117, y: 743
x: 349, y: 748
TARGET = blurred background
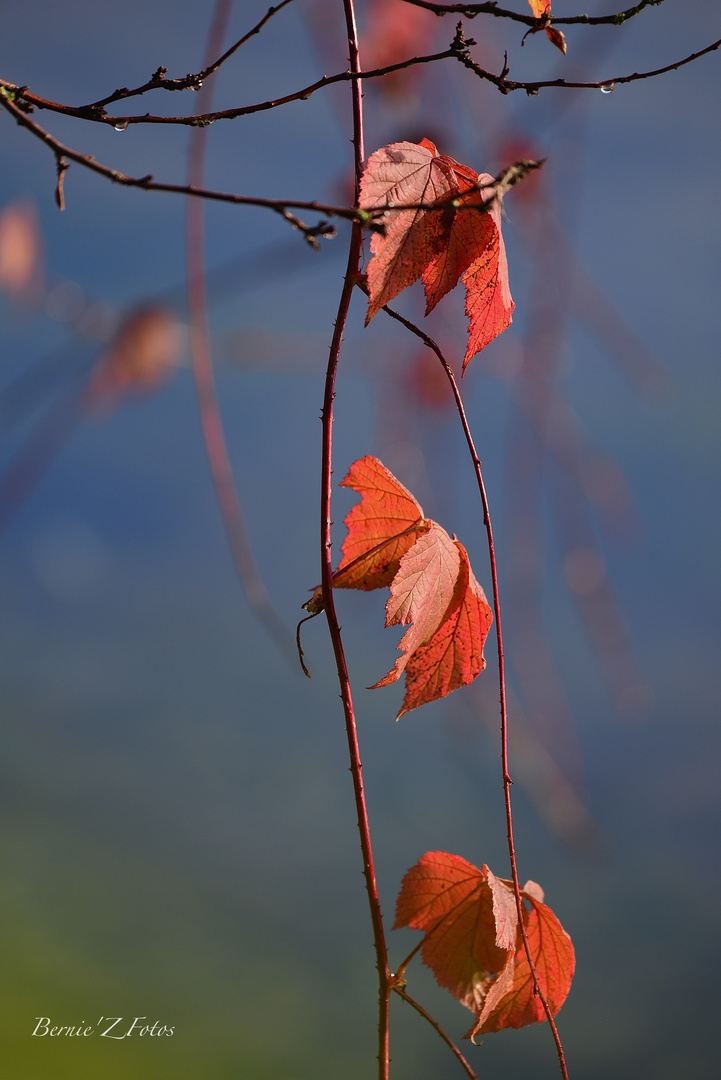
x: 178, y: 835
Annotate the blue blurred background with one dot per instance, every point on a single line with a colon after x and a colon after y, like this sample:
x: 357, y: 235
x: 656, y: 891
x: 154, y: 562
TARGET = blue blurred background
x: 177, y: 819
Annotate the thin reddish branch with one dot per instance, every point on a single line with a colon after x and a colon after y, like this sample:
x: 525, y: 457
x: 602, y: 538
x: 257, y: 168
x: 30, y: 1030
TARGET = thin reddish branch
x: 62, y: 153
x: 507, y: 781
x: 384, y: 973
x: 210, y: 419
x: 94, y: 114
x: 354, y: 253
x: 147, y: 183
x: 434, y: 1024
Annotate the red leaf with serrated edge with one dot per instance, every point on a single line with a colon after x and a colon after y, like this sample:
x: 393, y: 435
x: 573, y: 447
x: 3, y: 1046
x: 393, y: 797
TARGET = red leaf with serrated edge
x: 473, y: 943
x: 489, y: 306
x: 468, y: 916
x: 469, y: 234
x: 454, y: 655
x: 404, y: 173
x: 440, y: 245
x: 422, y: 593
x: 554, y: 961
x: 390, y: 542
x: 381, y: 527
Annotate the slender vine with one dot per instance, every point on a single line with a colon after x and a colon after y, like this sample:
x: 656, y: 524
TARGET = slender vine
x: 354, y: 253
x: 507, y: 781
x: 211, y: 423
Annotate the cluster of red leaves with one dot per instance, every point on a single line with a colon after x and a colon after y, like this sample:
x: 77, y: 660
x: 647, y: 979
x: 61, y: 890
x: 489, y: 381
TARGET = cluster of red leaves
x: 473, y: 941
x: 443, y: 240
x: 391, y: 542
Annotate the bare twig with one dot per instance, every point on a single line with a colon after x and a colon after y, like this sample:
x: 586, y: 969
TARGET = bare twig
x: 471, y: 10
x: 434, y: 1024
x: 25, y: 100
x: 147, y: 183
x: 95, y: 114
x: 506, y: 86
x: 354, y: 253
x: 368, y: 218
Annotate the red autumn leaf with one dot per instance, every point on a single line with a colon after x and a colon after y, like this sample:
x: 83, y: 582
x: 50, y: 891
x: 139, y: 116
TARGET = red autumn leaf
x: 404, y: 173
x: 454, y: 654
x: 469, y: 917
x: 390, y: 542
x: 381, y: 527
x: 422, y: 592
x: 468, y: 235
x: 542, y: 10
x: 489, y: 306
x: 554, y: 961
x: 442, y: 246
x: 474, y: 249
x: 473, y: 942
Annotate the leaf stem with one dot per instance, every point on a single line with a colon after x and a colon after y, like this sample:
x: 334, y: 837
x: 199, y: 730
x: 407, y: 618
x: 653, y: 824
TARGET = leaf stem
x: 434, y: 1024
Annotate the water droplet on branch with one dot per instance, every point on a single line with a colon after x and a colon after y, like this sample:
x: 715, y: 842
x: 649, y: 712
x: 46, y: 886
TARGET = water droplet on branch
x: 607, y: 88
x: 122, y: 126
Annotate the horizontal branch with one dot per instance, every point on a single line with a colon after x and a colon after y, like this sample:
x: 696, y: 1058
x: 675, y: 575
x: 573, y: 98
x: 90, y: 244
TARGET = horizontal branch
x: 64, y: 154
x: 470, y: 11
x: 368, y: 218
x: 96, y: 114
x: 458, y: 50
x: 506, y: 85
